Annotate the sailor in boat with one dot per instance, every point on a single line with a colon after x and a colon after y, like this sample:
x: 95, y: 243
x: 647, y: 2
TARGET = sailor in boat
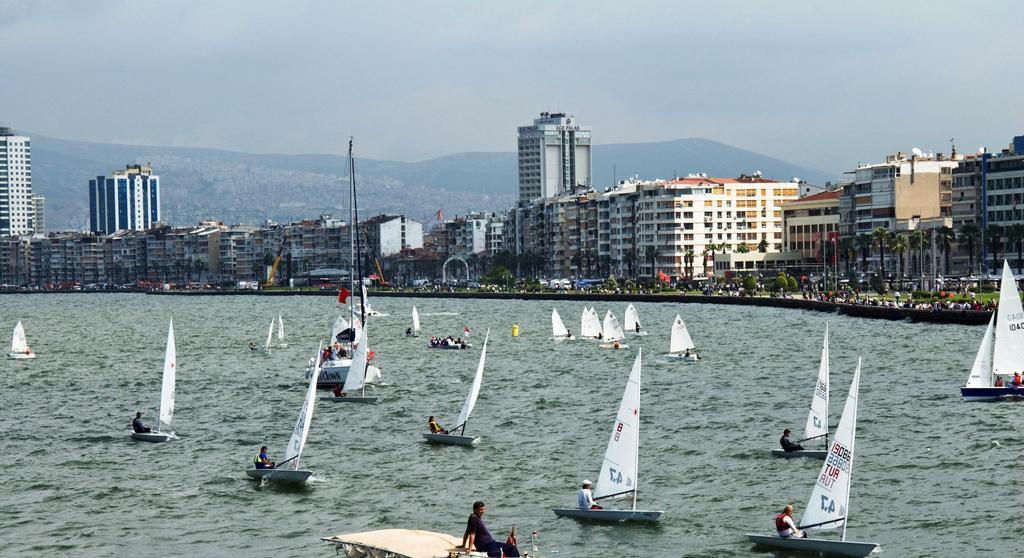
x: 600, y: 335
x: 688, y: 354
x: 338, y: 392
x: 999, y: 382
x: 435, y: 428
x: 1016, y: 379
x: 477, y: 536
x: 137, y: 424
x: 408, y: 331
x: 586, y: 498
x: 638, y: 327
x: 616, y: 344
x: 262, y: 461
x: 568, y: 333
x: 252, y: 346
x: 788, y: 444
x: 785, y: 526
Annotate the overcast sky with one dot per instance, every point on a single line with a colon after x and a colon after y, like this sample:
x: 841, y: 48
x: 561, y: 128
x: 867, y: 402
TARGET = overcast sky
x: 815, y: 83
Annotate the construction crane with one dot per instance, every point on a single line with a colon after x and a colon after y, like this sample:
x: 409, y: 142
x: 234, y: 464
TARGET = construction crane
x: 277, y: 261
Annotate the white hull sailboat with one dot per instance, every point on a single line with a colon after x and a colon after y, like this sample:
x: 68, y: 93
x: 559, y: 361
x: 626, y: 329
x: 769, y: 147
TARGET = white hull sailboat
x: 611, y: 333
x: 166, y: 394
x: 19, y: 345
x: 294, y: 474
x: 355, y: 383
x: 680, y: 345
x: 829, y: 505
x: 817, y: 419
x: 415, y: 331
x: 270, y: 336
x: 280, y: 332
x: 558, y: 329
x: 631, y: 321
x: 1002, y: 348
x: 467, y: 408
x: 590, y: 324
x: 620, y: 468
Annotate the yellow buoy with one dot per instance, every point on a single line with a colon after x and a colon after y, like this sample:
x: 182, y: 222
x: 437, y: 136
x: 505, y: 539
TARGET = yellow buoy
x: 515, y: 330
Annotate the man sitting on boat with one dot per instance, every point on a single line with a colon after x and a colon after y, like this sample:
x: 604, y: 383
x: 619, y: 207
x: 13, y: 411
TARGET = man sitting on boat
x: 785, y: 526
x: 137, y: 424
x: 262, y: 461
x: 337, y: 390
x: 999, y: 382
x: 477, y: 536
x: 1016, y: 379
x: 435, y: 428
x: 787, y: 444
x: 586, y: 498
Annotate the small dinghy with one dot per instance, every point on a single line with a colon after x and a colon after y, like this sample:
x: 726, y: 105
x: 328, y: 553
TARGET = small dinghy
x: 467, y: 408
x: 356, y: 379
x: 590, y: 324
x: 829, y: 505
x: 817, y: 419
x: 620, y: 468
x: 294, y: 475
x: 447, y: 344
x: 366, y: 304
x: 1002, y: 348
x: 415, y: 331
x: 680, y: 346
x: 280, y: 332
x: 19, y: 345
x: 166, y: 394
x: 631, y: 321
x: 270, y: 337
x: 611, y: 333
x: 558, y: 329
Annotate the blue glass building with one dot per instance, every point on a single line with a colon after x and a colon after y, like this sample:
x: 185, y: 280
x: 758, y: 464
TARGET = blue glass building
x: 128, y: 200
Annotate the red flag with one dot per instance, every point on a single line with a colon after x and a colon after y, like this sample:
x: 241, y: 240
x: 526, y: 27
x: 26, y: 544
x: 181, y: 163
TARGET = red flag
x: 343, y: 295
x: 663, y: 277
x: 465, y: 330
x: 440, y: 215
x: 374, y: 277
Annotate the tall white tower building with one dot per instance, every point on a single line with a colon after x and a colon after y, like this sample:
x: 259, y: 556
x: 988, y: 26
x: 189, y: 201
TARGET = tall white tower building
x: 554, y: 157
x: 17, y: 208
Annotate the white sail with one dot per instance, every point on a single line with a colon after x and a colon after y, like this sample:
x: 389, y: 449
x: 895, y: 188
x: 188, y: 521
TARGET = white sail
x: 280, y: 328
x: 817, y: 419
x: 474, y: 391
x: 585, y: 324
x: 301, y: 429
x: 830, y: 499
x: 631, y: 319
x: 270, y: 335
x: 167, y: 387
x: 981, y: 372
x: 611, y: 330
x: 1008, y: 355
x: 415, y: 320
x: 594, y: 322
x: 18, y: 342
x: 357, y: 371
x: 558, y: 329
x: 340, y: 325
x: 619, y: 469
x: 680, y: 340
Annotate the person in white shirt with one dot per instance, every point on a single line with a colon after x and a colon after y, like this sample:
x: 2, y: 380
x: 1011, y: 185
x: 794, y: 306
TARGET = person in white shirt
x: 586, y: 498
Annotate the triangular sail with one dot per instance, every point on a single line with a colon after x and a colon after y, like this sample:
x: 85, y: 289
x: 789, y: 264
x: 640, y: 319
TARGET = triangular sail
x: 594, y: 322
x: 301, y: 430
x: 817, y: 419
x: 280, y: 328
x: 357, y: 371
x: 18, y: 342
x: 631, y: 320
x: 611, y: 330
x: 415, y: 320
x: 474, y: 391
x: 829, y: 503
x: 680, y: 340
x: 981, y: 372
x: 585, y: 324
x: 619, y: 469
x: 558, y: 329
x: 167, y: 386
x: 270, y: 334
x: 1008, y: 355
x: 340, y: 325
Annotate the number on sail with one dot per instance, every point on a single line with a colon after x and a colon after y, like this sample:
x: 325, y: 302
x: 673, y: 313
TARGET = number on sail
x: 831, y: 507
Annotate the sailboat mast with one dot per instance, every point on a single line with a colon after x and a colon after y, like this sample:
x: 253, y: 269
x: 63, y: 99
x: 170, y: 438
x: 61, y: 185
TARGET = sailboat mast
x: 351, y: 230
x: 636, y: 447
x: 355, y: 231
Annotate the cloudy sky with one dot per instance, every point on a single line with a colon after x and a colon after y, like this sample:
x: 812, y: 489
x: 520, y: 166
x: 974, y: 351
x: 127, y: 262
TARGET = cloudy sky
x: 815, y: 83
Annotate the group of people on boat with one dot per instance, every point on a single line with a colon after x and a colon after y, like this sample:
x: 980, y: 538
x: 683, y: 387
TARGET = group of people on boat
x: 447, y: 342
x: 1015, y: 382
x: 335, y: 351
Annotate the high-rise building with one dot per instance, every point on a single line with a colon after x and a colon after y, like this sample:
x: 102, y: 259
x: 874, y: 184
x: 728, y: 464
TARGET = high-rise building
x: 129, y: 200
x: 17, y: 211
x: 39, y: 203
x: 554, y: 157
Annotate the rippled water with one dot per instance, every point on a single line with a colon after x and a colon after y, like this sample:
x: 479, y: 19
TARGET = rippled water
x: 934, y: 476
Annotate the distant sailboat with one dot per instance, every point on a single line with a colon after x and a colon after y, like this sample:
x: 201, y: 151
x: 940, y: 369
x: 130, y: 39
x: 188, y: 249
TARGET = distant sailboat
x: 356, y: 379
x: 611, y: 333
x: 280, y: 332
x: 558, y: 329
x: 415, y: 331
x: 166, y: 394
x: 1002, y: 348
x: 294, y: 475
x: 631, y: 321
x: 817, y: 418
x: 366, y: 304
x: 270, y: 337
x: 620, y: 468
x: 19, y: 345
x: 590, y: 325
x: 680, y: 344
x: 467, y: 408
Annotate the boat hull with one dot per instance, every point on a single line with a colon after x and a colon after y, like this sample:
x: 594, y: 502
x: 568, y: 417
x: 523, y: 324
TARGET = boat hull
x: 683, y: 357
x: 21, y: 356
x: 816, y: 546
x: 612, y: 516
x: 331, y: 374
x: 451, y: 347
x: 612, y: 346
x: 290, y: 476
x: 565, y: 338
x: 350, y: 399
x: 815, y: 454
x: 155, y: 437
x: 991, y: 393
x: 452, y: 439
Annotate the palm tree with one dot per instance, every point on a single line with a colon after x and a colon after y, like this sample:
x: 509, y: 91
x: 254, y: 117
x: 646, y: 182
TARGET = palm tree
x: 1015, y: 234
x: 743, y: 248
x: 914, y: 243
x: 944, y: 236
x: 969, y: 236
x: 994, y: 236
x: 880, y: 236
x: 652, y: 254
x: 762, y: 246
x: 864, y: 244
x: 899, y: 246
x: 849, y: 251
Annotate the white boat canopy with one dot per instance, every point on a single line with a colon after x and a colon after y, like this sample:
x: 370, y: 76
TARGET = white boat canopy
x: 396, y: 543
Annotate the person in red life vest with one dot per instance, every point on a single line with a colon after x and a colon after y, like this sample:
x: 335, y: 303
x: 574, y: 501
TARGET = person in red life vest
x: 785, y: 526
x: 999, y: 381
x: 1016, y: 379
x: 338, y: 391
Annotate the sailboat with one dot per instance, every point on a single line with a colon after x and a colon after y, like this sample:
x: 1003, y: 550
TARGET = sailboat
x: 461, y: 439
x: 590, y: 325
x: 270, y: 336
x: 294, y: 474
x: 357, y: 373
x: 558, y: 329
x: 620, y: 469
x: 611, y: 333
x: 280, y: 332
x: 817, y: 418
x: 828, y: 507
x: 415, y: 331
x: 1002, y: 348
x: 631, y: 321
x: 19, y: 345
x: 680, y: 345
x: 166, y: 394
x: 366, y: 305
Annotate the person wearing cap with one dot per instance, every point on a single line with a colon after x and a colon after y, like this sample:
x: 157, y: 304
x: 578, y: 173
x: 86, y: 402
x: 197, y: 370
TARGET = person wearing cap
x: 586, y: 498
